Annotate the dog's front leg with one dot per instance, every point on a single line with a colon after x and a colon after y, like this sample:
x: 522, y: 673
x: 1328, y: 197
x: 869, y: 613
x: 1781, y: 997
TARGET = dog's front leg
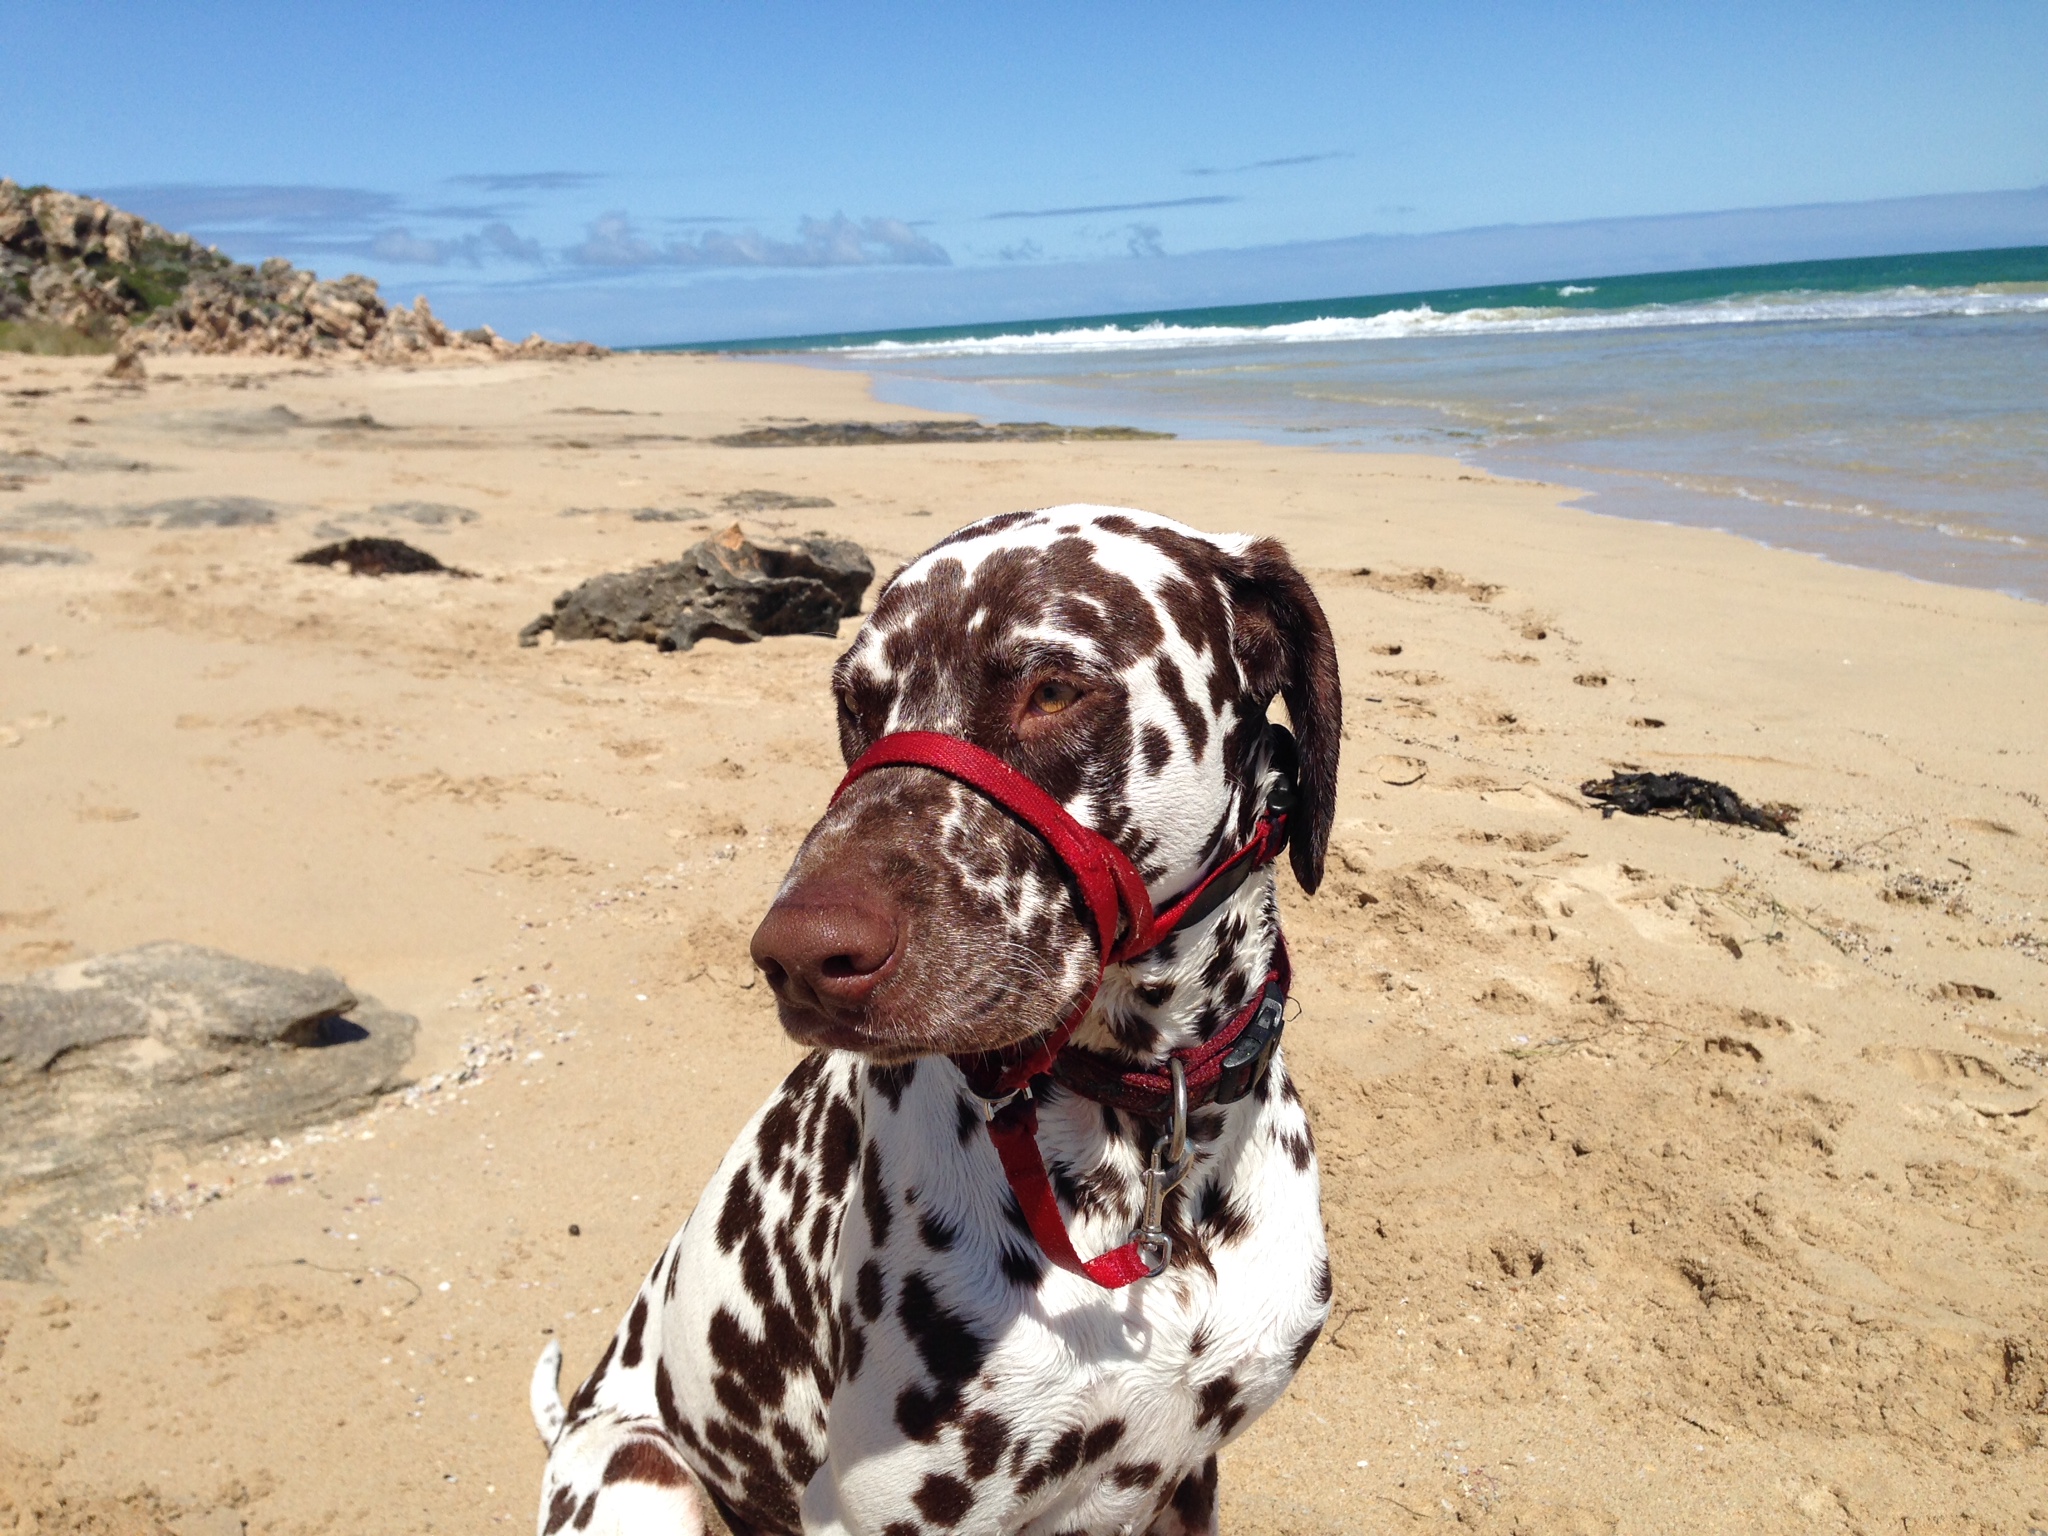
x: 1191, y: 1509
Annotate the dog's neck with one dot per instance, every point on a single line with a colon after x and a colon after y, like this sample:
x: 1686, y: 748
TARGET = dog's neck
x: 1196, y: 980
x: 1181, y: 993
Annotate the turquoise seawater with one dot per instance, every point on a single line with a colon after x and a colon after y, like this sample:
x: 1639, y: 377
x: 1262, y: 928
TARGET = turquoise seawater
x: 1890, y: 412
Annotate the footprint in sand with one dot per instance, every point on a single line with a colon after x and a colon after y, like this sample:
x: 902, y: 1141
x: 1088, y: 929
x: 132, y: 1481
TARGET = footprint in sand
x: 1977, y: 1084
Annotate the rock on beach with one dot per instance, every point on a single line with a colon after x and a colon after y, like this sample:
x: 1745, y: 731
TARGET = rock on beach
x: 727, y: 588
x: 104, y: 1060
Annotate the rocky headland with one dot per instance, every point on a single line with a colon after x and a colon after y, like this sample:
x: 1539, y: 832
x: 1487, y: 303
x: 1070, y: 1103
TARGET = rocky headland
x: 80, y: 275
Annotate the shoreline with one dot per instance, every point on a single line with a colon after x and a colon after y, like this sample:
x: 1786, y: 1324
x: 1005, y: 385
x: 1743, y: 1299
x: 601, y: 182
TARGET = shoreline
x: 1665, y: 1181
x: 1855, y: 480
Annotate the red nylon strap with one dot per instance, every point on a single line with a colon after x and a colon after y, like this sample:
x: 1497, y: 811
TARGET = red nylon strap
x: 1014, y: 1131
x: 1267, y: 839
x: 1108, y: 880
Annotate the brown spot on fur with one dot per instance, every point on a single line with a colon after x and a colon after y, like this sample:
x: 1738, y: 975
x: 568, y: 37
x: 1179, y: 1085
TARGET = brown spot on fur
x: 943, y: 1499
x: 1194, y: 1498
x: 1102, y: 1439
x: 641, y: 1460
x: 984, y: 1436
x: 740, y: 1213
x: 636, y: 1324
x: 586, y: 1394
x: 874, y: 1198
x: 1157, y: 747
x: 867, y: 1290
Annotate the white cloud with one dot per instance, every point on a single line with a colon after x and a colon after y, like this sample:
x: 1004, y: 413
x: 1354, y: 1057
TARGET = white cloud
x: 838, y: 241
x: 492, y: 242
x: 612, y: 243
x: 404, y: 245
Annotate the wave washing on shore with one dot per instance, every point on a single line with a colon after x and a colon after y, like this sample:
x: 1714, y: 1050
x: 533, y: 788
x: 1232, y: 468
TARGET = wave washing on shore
x: 1854, y: 410
x: 1400, y: 324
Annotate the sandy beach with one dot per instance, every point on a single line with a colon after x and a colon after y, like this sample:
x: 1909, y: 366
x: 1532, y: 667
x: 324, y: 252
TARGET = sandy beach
x: 1679, y: 1177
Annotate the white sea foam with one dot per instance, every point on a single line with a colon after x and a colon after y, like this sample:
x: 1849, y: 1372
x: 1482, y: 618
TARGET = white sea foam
x: 1400, y: 324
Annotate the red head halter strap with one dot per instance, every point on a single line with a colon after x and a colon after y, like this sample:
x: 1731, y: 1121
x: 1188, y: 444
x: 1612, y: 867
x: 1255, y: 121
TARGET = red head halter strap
x: 1126, y: 926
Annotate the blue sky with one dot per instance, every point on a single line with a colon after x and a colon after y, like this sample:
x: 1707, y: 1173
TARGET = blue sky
x: 629, y: 169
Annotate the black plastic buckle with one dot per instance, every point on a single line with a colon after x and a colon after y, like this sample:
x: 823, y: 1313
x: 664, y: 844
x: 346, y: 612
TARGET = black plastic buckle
x: 1285, y: 756
x: 1251, y: 1053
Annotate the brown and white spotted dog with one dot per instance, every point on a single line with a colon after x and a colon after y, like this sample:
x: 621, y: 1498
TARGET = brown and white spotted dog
x: 856, y: 1332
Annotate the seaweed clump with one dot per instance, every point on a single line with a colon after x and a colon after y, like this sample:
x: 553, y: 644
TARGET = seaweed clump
x: 379, y: 557
x: 1685, y: 795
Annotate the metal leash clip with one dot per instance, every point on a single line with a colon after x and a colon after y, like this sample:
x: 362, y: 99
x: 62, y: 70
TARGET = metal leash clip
x: 990, y: 1108
x: 1170, y: 1161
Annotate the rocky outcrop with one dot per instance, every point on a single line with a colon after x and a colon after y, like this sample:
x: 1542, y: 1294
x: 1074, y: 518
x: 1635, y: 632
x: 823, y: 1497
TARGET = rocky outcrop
x: 104, y: 1061
x: 727, y: 588
x: 77, y: 273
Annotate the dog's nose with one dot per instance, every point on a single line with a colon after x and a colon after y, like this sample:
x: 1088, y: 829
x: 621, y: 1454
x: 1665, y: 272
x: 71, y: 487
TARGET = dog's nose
x: 825, y: 947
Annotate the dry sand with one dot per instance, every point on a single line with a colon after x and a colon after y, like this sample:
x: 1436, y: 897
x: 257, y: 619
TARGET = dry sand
x: 1679, y: 1178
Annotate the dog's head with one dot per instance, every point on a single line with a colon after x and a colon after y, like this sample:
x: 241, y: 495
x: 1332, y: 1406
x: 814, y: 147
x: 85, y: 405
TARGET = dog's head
x: 1123, y: 662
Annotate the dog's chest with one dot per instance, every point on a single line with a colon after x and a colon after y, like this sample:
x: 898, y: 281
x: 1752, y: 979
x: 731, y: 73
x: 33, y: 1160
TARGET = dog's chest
x: 856, y: 1314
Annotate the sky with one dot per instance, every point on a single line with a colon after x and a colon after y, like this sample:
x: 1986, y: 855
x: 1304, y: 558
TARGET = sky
x: 675, y: 172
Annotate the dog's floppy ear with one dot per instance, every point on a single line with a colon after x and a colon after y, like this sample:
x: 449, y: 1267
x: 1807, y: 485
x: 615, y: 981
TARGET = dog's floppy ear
x: 1283, y: 646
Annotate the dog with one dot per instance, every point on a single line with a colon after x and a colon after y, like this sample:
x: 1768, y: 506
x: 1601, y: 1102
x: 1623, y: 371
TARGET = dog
x: 878, y: 1319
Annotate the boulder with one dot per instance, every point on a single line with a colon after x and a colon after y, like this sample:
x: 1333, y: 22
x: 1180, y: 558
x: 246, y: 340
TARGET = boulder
x: 724, y: 588
x: 104, y: 1061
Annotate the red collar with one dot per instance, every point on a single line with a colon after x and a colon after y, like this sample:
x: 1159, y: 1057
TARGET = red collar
x: 1126, y: 926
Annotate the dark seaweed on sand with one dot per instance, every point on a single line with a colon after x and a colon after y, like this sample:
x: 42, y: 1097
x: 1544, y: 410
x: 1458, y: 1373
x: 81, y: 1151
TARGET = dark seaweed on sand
x: 1682, y: 794
x: 379, y: 557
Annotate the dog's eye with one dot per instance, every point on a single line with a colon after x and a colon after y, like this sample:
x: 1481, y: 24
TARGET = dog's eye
x: 1049, y: 698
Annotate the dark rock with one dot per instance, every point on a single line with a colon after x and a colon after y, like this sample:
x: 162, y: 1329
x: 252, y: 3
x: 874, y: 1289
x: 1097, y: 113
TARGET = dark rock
x: 727, y: 588
x: 770, y: 501
x: 428, y: 514
x: 855, y: 434
x: 639, y: 514
x: 41, y: 554
x: 184, y: 512
x: 272, y: 421
x: 104, y: 1061
x: 378, y: 557
x: 209, y: 512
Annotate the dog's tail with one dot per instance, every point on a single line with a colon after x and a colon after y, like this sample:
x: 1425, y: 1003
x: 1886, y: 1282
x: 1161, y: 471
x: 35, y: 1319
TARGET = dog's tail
x: 544, y: 1395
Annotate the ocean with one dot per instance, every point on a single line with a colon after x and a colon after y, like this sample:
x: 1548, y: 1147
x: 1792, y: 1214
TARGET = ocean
x: 1888, y: 412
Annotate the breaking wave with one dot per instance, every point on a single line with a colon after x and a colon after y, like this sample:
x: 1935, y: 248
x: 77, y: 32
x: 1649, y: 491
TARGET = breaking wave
x: 1423, y: 321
